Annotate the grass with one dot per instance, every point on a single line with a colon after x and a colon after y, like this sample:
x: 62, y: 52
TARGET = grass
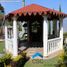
x: 42, y: 63
x: 46, y: 63
x: 65, y: 35
x: 1, y: 46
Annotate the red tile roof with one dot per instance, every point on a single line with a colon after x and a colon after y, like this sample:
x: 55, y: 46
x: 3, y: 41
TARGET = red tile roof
x: 33, y: 8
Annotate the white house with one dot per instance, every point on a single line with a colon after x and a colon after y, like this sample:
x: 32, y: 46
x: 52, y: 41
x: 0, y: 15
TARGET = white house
x: 29, y: 30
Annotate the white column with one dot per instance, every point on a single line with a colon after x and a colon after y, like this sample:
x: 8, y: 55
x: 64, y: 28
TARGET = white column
x: 61, y: 32
x: 15, y: 42
x: 45, y: 35
x: 6, y: 39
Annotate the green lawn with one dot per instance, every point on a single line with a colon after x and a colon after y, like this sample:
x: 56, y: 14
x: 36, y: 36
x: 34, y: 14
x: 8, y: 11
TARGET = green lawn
x: 1, y: 46
x: 65, y: 34
x: 42, y: 63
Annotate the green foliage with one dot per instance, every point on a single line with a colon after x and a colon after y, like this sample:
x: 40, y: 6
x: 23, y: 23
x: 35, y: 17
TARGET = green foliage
x: 60, y: 8
x: 2, y: 46
x: 7, y: 59
x: 61, y: 57
x: 23, y: 54
x: 17, y: 58
x: 1, y: 60
x: 7, y: 56
x: 24, y: 2
x: 18, y: 61
x: 65, y: 35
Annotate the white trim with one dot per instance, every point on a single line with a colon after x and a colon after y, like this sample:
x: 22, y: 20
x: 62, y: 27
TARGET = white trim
x: 54, y: 39
x: 6, y: 37
x: 45, y: 35
x: 61, y: 32
x: 15, y: 42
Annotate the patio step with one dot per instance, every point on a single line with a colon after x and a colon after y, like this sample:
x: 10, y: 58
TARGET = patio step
x: 32, y: 51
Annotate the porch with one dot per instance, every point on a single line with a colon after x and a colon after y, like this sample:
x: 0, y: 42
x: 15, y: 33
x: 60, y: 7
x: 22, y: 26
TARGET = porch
x: 34, y: 30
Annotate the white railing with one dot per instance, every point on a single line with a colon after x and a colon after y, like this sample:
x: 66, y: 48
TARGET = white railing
x: 10, y: 44
x: 53, y: 45
x: 10, y: 41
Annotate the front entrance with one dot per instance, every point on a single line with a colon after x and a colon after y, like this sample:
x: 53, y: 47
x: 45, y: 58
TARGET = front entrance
x: 36, y: 29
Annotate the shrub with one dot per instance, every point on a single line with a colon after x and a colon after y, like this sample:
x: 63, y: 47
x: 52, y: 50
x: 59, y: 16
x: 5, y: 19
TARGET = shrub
x: 23, y: 54
x: 7, y: 56
x: 62, y: 60
x: 17, y: 61
x: 61, y: 57
x: 1, y: 62
x: 17, y: 58
x: 7, y: 59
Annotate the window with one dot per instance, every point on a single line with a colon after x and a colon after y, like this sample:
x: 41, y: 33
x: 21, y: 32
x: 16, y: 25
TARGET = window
x: 35, y: 26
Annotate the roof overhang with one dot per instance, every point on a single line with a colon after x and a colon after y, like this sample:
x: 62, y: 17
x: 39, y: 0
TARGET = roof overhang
x: 36, y: 9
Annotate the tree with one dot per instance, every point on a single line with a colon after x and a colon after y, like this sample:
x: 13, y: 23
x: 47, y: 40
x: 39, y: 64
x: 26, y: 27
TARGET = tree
x: 54, y: 27
x: 23, y: 3
x: 1, y: 19
x: 59, y: 11
x: 60, y: 8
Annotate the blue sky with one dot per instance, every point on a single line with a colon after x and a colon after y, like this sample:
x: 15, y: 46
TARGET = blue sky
x: 16, y: 4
